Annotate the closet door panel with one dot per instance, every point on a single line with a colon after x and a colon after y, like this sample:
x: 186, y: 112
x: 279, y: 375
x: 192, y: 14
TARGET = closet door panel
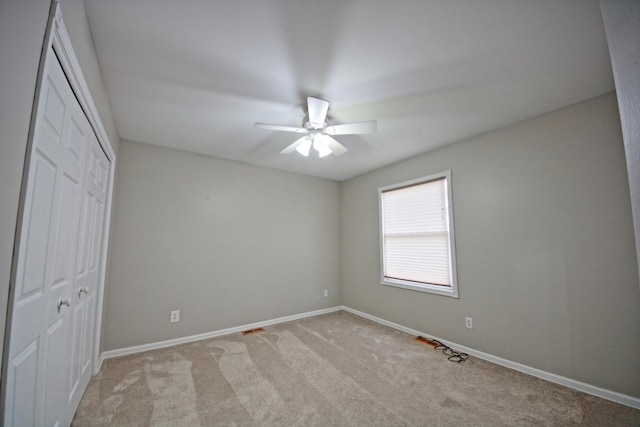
x: 88, y: 268
x: 39, y: 347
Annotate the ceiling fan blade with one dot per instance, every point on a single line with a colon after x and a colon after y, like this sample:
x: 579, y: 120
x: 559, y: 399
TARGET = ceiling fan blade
x: 353, y: 128
x: 335, y: 147
x: 278, y: 127
x: 317, y: 111
x: 292, y: 147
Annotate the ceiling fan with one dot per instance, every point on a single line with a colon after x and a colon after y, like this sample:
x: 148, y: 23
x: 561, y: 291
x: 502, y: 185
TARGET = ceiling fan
x: 317, y: 132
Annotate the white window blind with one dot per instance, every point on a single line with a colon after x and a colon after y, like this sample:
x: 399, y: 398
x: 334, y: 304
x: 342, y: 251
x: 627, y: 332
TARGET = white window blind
x: 415, y: 233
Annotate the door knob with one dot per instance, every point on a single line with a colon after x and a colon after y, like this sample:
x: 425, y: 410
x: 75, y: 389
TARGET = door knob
x: 61, y: 302
x: 84, y: 290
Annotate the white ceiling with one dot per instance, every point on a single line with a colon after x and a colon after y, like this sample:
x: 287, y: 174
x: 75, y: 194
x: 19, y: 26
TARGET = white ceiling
x: 196, y: 74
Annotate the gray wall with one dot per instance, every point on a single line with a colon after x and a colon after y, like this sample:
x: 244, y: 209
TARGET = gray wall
x: 622, y: 25
x: 22, y: 31
x: 226, y: 243
x: 545, y: 247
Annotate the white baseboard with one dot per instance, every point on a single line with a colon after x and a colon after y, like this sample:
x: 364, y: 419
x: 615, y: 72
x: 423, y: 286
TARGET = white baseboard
x: 206, y: 335
x: 567, y: 382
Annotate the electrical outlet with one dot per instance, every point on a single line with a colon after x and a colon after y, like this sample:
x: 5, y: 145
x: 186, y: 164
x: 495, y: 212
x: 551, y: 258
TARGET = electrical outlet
x: 468, y: 322
x: 326, y: 293
x: 175, y: 316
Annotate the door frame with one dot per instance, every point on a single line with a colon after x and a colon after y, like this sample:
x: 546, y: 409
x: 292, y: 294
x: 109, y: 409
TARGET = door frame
x: 57, y: 42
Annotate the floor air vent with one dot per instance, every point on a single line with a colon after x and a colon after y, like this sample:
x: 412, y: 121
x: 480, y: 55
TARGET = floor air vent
x: 252, y: 331
x: 427, y: 341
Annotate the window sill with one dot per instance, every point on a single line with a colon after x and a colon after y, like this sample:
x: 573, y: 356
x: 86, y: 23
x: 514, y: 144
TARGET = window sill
x: 431, y: 289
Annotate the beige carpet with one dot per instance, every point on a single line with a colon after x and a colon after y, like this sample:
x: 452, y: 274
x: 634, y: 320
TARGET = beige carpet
x: 331, y: 370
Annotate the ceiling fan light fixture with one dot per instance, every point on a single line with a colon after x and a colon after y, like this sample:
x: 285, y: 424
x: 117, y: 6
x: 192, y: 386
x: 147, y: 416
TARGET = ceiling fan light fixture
x: 320, y: 145
x: 324, y: 152
x: 304, y: 147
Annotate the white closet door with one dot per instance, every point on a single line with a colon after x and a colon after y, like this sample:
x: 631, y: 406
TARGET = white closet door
x: 88, y: 270
x: 39, y: 348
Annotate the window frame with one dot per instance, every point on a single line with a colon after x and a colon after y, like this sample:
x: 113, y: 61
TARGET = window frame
x: 450, y: 291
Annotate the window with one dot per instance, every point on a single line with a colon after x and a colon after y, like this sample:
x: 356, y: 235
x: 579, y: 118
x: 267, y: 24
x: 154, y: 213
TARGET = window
x: 416, y: 235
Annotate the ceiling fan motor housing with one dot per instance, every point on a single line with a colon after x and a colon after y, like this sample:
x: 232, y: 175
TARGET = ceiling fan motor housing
x: 308, y: 125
